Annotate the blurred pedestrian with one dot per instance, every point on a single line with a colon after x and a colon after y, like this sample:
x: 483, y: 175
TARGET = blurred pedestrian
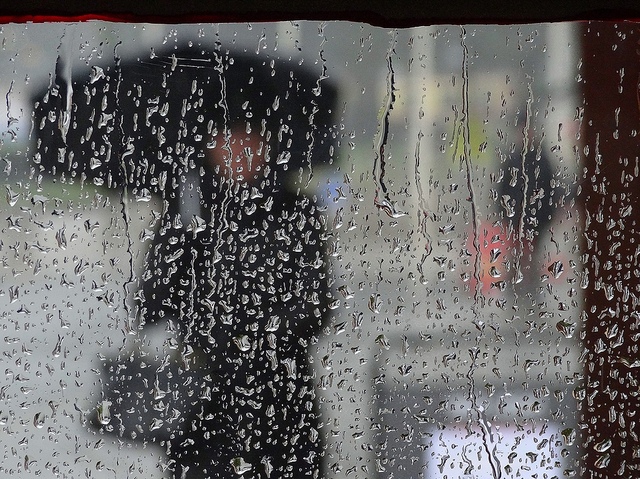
x: 527, y: 199
x: 237, y: 264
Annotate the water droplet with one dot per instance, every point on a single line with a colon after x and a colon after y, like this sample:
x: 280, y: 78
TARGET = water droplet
x: 96, y: 74
x: 389, y: 208
x: 197, y: 225
x: 156, y: 424
x: 242, y: 342
x: 448, y: 228
x: 566, y: 328
x: 58, y: 347
x: 603, y: 461
x: 508, y: 206
x: 383, y: 342
x: 38, y: 420
x: 104, y: 412
x: 12, y: 197
x: 625, y: 211
x: 346, y: 292
x: 90, y: 226
x: 326, y: 362
x: 579, y: 393
x: 608, y: 291
x: 273, y: 323
x: 172, y: 257
x: 283, y: 158
x: 143, y: 195
x: 240, y: 466
x: 556, y: 269
x: 375, y: 303
x: 529, y: 363
x: 61, y: 238
x: 94, y: 163
x: 584, y: 279
x: 290, y: 366
x: 603, y: 445
x: 335, y: 304
x: 14, y: 293
x: 569, y: 436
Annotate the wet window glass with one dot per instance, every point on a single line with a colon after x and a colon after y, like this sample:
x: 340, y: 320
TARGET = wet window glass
x: 323, y: 250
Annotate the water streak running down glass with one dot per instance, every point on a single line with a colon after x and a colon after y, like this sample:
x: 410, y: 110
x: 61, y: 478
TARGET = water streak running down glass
x: 292, y: 250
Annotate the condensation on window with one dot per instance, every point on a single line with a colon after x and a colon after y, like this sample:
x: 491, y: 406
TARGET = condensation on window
x: 300, y: 249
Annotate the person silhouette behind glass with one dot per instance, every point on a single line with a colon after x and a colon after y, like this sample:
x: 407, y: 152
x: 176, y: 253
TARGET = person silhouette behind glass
x: 529, y: 200
x: 237, y: 264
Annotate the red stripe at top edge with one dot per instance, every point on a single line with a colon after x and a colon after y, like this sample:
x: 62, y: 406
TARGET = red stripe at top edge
x: 369, y: 17
x: 258, y: 17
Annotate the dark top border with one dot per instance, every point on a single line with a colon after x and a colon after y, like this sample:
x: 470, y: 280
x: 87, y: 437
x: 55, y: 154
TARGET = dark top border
x: 388, y: 13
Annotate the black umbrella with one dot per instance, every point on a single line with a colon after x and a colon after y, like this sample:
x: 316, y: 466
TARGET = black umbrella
x: 146, y: 123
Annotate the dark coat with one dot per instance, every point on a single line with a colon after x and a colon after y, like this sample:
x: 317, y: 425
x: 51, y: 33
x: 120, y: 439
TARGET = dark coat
x: 249, y: 291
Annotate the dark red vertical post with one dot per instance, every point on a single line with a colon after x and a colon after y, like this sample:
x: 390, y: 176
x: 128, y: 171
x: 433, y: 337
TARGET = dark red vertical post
x: 611, y: 192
